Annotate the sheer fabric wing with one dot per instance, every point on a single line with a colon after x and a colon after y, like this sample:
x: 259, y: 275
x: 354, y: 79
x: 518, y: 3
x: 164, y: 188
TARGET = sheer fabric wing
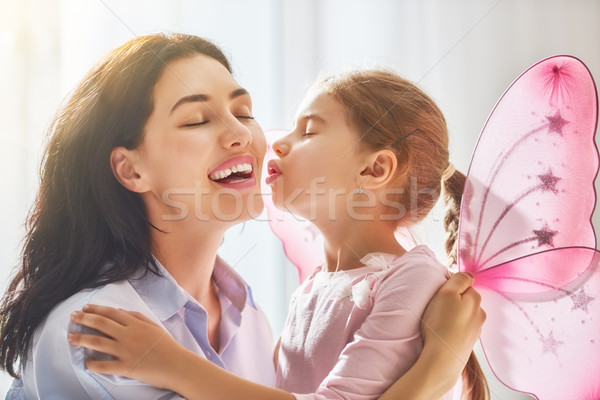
x: 302, y: 241
x: 529, y: 196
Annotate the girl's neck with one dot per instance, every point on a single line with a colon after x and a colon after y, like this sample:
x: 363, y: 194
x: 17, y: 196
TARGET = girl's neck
x: 347, y: 243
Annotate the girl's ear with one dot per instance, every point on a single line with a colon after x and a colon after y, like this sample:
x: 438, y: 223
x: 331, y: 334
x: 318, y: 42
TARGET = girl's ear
x: 380, y: 169
x: 124, y: 169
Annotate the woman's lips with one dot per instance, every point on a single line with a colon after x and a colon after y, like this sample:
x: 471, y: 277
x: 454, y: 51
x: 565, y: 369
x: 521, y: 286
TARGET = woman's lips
x: 273, y: 170
x: 226, y: 174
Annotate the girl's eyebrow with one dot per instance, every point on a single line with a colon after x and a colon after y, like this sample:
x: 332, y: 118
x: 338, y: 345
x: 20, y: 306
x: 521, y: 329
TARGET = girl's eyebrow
x: 204, y: 97
x: 312, y: 116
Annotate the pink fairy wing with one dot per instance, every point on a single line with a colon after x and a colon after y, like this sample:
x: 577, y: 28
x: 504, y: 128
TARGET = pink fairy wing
x: 530, y: 183
x: 524, y: 228
x: 546, y: 344
x: 302, y: 241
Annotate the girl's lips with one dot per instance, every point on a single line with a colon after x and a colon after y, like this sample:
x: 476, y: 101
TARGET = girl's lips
x: 273, y: 170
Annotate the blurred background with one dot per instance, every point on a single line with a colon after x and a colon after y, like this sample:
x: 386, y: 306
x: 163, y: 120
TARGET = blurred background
x: 464, y: 53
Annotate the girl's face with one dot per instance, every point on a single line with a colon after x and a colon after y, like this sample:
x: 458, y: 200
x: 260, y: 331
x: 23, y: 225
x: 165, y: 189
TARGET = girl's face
x: 319, y: 161
x: 201, y: 155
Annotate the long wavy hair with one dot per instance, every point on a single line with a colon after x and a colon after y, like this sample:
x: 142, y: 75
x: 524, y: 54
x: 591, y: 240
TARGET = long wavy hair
x: 85, y: 229
x: 391, y: 112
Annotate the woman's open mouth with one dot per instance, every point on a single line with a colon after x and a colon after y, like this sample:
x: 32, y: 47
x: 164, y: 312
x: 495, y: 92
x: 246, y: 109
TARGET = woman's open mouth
x: 237, y: 172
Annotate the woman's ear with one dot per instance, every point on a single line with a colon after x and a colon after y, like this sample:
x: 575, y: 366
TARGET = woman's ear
x: 124, y: 169
x: 379, y: 170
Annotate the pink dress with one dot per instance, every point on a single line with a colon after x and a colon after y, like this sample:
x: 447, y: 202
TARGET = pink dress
x: 352, y: 334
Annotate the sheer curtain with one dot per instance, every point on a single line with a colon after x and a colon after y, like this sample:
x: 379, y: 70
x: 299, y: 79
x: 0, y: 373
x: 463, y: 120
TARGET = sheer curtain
x: 464, y: 53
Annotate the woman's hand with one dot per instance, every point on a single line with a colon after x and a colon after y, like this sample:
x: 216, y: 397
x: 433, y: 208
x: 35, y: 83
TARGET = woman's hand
x: 452, y: 321
x: 142, y: 350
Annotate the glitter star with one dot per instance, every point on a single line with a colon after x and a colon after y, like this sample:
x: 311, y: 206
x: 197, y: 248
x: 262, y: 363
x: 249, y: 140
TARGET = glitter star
x: 549, y: 182
x: 556, y: 123
x: 545, y: 236
x: 549, y: 344
x: 581, y: 300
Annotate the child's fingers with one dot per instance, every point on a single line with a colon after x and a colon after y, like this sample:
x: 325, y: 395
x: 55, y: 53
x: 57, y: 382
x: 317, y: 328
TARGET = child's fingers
x: 98, y: 322
x: 117, y: 315
x: 93, y: 342
x: 104, y: 367
x: 141, y: 316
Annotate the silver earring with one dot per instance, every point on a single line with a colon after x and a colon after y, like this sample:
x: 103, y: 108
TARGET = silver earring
x: 359, y: 190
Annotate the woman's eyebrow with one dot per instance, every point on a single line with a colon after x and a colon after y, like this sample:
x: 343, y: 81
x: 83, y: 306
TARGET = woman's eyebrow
x: 190, y: 99
x: 204, y: 97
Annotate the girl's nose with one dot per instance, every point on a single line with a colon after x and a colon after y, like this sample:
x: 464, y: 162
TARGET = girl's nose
x: 280, y: 147
x: 236, y: 134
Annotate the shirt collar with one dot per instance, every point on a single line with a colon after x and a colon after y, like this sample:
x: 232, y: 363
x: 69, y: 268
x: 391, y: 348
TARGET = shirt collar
x: 231, y: 284
x: 165, y: 297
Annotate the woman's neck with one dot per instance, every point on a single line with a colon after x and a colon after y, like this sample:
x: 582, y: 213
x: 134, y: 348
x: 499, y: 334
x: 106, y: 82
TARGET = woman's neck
x: 346, y: 243
x: 189, y: 256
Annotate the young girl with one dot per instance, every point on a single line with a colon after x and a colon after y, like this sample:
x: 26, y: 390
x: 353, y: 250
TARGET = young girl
x: 115, y: 223
x: 368, y: 154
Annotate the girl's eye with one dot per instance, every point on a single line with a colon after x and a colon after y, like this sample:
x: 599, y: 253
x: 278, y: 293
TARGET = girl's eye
x: 193, y: 124
x: 307, y: 134
x: 244, y: 117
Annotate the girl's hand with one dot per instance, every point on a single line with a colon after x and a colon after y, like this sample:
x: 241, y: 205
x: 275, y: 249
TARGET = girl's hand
x: 142, y: 350
x: 453, y: 319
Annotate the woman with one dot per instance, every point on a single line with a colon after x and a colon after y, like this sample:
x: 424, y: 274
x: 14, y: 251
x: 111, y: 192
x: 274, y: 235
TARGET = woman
x: 153, y: 158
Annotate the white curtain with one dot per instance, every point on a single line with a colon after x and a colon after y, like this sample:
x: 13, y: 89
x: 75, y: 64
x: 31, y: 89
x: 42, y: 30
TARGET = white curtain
x: 463, y: 52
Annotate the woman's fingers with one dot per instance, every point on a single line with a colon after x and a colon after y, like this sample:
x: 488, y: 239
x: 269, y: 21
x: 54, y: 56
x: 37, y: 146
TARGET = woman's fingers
x: 93, y: 342
x: 458, y: 283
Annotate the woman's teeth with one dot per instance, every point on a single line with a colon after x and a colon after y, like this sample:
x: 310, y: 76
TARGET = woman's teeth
x: 235, y: 169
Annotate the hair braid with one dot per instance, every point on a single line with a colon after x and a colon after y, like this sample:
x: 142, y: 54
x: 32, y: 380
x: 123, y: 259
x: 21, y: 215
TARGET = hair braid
x: 475, y: 385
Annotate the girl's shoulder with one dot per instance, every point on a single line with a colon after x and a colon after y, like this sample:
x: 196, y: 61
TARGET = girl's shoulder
x: 417, y: 269
x: 420, y: 259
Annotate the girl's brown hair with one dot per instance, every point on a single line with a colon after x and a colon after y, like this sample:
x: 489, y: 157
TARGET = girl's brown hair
x: 391, y: 112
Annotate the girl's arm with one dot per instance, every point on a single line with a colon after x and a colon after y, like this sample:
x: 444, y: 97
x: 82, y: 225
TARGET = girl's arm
x: 450, y: 327
x: 145, y: 352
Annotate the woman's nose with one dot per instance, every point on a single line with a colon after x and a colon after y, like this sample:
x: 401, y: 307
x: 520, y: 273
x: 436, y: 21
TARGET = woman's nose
x: 236, y: 134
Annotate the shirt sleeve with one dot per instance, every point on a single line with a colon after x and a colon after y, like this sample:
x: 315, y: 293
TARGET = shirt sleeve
x: 389, y: 341
x: 56, y: 370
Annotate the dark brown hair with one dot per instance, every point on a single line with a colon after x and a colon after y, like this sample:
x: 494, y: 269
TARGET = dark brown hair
x: 85, y: 229
x: 392, y: 112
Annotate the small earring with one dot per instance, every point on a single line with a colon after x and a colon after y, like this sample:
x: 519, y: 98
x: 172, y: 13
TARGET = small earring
x: 359, y: 190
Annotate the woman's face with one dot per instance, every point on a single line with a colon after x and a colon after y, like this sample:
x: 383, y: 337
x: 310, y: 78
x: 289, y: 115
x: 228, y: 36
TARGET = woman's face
x: 318, y: 165
x: 202, y: 151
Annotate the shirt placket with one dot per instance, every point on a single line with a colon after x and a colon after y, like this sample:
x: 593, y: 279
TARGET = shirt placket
x: 196, y: 320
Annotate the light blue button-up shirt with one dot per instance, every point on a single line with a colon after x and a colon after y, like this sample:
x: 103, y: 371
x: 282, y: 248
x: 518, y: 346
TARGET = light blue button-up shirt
x: 56, y: 370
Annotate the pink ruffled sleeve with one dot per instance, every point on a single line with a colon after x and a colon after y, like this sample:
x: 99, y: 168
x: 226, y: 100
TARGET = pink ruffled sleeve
x: 389, y: 341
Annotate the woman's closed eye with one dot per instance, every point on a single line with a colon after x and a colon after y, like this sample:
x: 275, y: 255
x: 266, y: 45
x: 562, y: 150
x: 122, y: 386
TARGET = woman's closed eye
x: 244, y: 117
x: 194, y: 124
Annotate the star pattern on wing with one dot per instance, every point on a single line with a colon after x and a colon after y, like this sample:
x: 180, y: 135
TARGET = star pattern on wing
x: 556, y: 123
x: 545, y: 236
x: 549, y: 181
x: 550, y: 344
x: 581, y: 300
